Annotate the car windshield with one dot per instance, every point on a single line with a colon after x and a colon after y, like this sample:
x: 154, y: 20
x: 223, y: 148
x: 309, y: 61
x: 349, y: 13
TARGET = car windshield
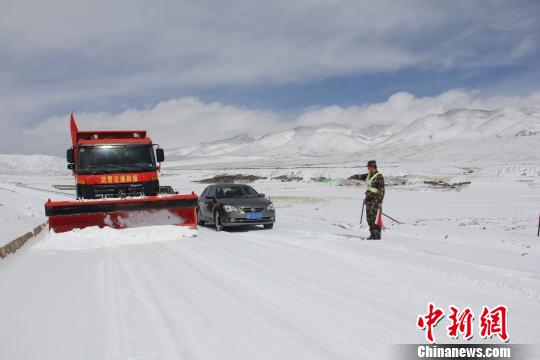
x: 236, y: 192
x: 115, y: 159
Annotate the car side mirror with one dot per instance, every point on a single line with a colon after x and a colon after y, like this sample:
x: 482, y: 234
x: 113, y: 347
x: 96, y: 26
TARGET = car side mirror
x: 71, y: 166
x: 69, y: 156
x: 160, y: 155
x: 262, y: 195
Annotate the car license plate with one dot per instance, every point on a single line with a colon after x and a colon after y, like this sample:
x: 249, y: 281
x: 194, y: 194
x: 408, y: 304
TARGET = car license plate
x: 254, y: 216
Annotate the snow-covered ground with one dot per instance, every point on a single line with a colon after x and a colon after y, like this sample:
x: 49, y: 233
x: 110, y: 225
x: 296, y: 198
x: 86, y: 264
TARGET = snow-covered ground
x: 21, y: 208
x: 311, y: 288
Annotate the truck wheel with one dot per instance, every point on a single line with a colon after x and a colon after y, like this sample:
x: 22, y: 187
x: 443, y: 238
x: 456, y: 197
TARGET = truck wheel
x: 85, y: 192
x: 151, y: 188
x: 217, y: 221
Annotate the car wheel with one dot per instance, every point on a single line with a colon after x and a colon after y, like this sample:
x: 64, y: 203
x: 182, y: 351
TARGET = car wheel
x: 268, y: 226
x: 200, y: 221
x: 217, y: 221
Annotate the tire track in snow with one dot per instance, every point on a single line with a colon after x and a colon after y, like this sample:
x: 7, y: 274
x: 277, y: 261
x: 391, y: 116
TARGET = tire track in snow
x: 137, y: 296
x: 182, y: 299
x: 115, y: 320
x: 421, y: 283
x: 478, y: 283
x: 248, y: 302
x: 334, y: 290
x: 328, y: 307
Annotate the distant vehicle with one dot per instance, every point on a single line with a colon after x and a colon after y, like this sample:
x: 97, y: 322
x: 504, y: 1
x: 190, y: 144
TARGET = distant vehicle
x: 228, y: 205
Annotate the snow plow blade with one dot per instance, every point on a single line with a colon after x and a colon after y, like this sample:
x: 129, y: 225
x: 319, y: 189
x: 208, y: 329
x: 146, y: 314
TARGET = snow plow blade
x: 122, y: 213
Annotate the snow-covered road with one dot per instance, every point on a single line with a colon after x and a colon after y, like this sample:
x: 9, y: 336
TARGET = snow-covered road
x: 311, y: 288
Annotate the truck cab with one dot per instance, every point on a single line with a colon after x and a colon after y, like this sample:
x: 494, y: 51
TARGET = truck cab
x: 109, y: 164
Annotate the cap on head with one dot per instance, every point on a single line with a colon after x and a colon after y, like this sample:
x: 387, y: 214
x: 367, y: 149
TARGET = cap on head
x: 372, y: 163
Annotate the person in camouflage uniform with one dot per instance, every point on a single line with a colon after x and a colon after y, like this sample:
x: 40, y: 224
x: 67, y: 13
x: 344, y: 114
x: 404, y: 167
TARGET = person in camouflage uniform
x: 374, y: 197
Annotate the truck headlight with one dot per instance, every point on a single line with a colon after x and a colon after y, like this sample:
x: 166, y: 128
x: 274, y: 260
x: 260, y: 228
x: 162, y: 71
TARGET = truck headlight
x: 230, y: 208
x: 270, y: 207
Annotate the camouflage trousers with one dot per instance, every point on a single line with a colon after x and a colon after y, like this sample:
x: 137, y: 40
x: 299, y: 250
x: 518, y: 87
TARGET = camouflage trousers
x: 371, y: 216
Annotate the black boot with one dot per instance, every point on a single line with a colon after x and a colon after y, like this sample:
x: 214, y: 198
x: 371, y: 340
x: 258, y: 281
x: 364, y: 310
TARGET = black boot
x: 376, y: 234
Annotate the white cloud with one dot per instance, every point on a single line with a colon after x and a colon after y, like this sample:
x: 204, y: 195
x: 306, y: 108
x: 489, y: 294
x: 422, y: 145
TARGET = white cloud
x: 60, y: 55
x: 403, y: 107
x: 173, y: 123
x: 183, y: 122
x: 75, y: 51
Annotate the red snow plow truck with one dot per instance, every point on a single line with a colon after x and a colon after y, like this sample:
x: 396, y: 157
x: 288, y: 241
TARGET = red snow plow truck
x: 116, y: 174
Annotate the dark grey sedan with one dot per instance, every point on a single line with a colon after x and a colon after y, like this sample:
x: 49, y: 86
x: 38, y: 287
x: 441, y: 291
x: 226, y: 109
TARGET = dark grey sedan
x: 227, y: 205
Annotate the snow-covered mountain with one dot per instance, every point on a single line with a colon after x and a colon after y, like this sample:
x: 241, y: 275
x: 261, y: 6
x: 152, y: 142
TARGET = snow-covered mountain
x: 31, y: 164
x: 465, y: 124
x: 218, y: 147
x: 300, y: 141
x: 459, y: 125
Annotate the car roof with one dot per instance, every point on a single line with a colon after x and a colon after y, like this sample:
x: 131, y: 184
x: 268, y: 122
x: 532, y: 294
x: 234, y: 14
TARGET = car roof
x: 230, y: 184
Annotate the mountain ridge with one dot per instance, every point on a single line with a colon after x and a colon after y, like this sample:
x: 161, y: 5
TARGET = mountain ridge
x: 307, y: 141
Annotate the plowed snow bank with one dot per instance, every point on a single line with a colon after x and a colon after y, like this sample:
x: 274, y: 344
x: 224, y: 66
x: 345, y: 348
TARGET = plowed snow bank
x: 95, y: 238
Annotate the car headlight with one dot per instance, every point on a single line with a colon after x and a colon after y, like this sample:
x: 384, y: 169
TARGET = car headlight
x: 230, y: 208
x: 270, y: 207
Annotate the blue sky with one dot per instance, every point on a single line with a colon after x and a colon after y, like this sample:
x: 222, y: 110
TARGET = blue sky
x: 356, y: 89
x: 282, y: 57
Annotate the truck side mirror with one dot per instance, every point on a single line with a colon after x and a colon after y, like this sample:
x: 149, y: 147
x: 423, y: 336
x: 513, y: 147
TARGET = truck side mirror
x: 71, y: 166
x: 160, y: 154
x: 69, y: 156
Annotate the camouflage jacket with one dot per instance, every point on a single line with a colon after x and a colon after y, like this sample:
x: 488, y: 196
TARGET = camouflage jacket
x: 377, y: 183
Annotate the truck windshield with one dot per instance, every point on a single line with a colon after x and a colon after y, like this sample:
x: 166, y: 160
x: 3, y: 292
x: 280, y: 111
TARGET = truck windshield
x: 115, y: 159
x: 236, y: 192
